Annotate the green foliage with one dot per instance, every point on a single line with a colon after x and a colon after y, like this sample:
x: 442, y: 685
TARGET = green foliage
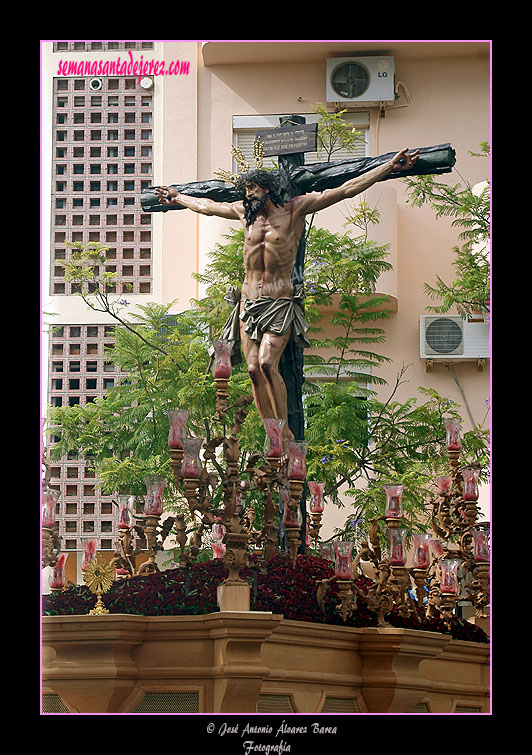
x: 365, y: 443
x: 470, y: 210
x: 334, y: 133
x: 342, y: 272
x: 224, y: 268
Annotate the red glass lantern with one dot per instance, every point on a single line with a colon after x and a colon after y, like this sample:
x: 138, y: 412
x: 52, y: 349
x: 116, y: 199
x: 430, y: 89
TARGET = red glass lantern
x: 394, y: 501
x: 292, y: 517
x: 437, y: 548
x: 89, y: 551
x: 284, y: 497
x: 421, y: 551
x: 444, y: 484
x: 125, y: 511
x: 222, y: 358
x: 57, y: 575
x: 191, y: 467
x: 481, y: 549
x: 273, y: 446
x: 218, y: 530
x: 49, y: 502
x: 178, y: 422
x: 217, y: 533
x: 449, y: 575
x: 316, y: 497
x: 218, y: 550
x: 452, y: 427
x: 155, y: 485
x: 470, y: 478
x: 343, y: 567
x: 397, y: 539
x: 297, y: 465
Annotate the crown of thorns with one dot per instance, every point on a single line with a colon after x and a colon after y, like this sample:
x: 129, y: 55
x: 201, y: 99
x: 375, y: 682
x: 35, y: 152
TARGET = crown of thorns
x: 243, y: 165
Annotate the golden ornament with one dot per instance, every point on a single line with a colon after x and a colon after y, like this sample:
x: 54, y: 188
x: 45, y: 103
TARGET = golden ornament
x: 98, y: 577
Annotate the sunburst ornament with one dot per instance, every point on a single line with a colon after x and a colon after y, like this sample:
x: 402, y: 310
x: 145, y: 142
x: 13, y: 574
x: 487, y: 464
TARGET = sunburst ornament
x: 98, y: 577
x: 243, y: 165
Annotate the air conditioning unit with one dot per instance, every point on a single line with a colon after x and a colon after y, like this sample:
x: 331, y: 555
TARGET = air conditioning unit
x: 453, y: 338
x: 368, y: 80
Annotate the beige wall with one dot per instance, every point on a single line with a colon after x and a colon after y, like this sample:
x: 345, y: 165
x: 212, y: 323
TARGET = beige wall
x: 177, y: 160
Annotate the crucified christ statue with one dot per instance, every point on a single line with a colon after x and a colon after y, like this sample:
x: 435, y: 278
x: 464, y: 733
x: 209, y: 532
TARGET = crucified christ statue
x: 271, y: 307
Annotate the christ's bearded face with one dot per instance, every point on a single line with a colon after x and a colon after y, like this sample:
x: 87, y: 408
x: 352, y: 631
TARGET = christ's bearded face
x: 255, y: 197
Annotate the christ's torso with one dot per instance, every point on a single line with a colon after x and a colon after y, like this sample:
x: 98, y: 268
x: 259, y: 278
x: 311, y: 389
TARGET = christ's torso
x: 270, y: 250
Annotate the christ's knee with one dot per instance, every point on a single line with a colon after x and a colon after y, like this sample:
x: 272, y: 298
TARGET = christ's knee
x: 254, y: 372
x: 268, y: 369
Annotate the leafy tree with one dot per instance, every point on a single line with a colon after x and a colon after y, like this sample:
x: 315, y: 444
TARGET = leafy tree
x: 342, y: 272
x: 334, y: 133
x: 470, y: 208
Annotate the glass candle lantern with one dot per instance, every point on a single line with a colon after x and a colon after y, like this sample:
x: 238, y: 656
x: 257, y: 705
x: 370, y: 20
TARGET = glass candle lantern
x: 57, y: 575
x: 155, y: 485
x: 218, y: 530
x: 452, y: 427
x: 421, y: 551
x: 125, y: 511
x: 397, y: 539
x: 316, y: 497
x: 49, y: 502
x: 217, y: 533
x: 191, y: 467
x: 273, y: 447
x: 470, y: 478
x: 240, y: 494
x: 178, y: 422
x: 481, y: 549
x: 327, y: 551
x: 449, y: 575
x: 297, y: 465
x: 89, y: 551
x: 444, y: 484
x: 284, y: 499
x: 343, y: 568
x: 394, y: 501
x: 222, y: 358
x: 218, y: 549
x: 292, y: 517
x: 437, y: 548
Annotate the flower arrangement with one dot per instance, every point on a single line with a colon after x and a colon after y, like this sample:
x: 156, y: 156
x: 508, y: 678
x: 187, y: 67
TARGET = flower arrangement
x: 281, y: 589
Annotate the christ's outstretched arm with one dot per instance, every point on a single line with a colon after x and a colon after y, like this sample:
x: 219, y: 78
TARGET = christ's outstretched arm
x: 169, y: 196
x: 316, y: 201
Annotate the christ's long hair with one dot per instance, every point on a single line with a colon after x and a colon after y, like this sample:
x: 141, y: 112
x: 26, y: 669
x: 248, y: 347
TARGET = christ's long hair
x: 265, y: 180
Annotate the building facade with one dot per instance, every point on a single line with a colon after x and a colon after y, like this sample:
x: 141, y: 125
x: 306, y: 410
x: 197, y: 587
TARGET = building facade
x: 120, y: 116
